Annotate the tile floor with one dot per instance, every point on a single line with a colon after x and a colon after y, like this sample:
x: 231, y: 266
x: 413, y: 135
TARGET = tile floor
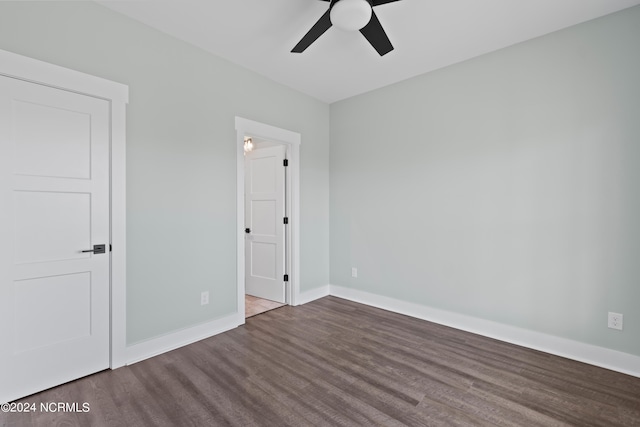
x: 254, y: 305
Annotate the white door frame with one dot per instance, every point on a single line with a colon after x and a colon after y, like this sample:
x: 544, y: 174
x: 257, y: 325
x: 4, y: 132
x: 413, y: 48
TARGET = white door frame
x: 250, y: 128
x: 34, y: 71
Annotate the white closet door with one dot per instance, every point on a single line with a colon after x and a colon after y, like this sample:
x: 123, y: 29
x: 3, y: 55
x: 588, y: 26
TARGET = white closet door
x: 54, y: 204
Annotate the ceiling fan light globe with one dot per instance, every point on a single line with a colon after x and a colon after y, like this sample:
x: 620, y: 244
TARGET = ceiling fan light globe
x: 351, y: 15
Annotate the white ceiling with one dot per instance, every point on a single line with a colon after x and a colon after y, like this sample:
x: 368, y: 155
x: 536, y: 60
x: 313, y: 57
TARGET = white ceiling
x: 426, y: 34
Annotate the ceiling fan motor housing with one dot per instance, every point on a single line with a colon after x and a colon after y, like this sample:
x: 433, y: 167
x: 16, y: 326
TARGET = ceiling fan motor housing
x: 351, y: 15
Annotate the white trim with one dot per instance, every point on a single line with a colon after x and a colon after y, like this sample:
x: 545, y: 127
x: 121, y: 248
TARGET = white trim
x: 118, y: 235
x: 587, y: 353
x: 313, y: 294
x: 171, y: 341
x: 35, y: 71
x: 246, y: 127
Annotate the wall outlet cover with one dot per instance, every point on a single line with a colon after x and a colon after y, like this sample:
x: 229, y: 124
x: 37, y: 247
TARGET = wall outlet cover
x: 615, y: 321
x: 204, y: 298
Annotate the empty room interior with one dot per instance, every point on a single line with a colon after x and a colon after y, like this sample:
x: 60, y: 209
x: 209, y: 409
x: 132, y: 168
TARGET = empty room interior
x: 266, y: 213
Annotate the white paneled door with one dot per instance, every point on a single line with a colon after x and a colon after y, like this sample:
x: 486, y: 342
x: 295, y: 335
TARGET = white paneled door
x: 54, y: 207
x: 265, y: 228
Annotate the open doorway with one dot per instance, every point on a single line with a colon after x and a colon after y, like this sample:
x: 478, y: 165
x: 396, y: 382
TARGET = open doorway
x: 254, y: 306
x: 266, y: 225
x: 270, y: 219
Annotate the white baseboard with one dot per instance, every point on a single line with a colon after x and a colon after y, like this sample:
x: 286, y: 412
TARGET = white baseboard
x: 587, y: 353
x: 155, y: 346
x: 582, y: 352
x: 312, y: 295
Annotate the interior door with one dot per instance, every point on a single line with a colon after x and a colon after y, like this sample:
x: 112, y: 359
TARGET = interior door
x: 264, y: 217
x: 54, y: 207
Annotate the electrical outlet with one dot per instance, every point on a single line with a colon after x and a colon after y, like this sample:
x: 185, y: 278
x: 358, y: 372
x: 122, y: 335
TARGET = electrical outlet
x: 615, y: 321
x: 354, y: 272
x: 204, y: 298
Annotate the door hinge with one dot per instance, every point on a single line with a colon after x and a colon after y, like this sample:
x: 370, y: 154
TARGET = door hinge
x: 286, y: 220
x: 110, y: 248
x: 286, y: 277
x: 285, y: 162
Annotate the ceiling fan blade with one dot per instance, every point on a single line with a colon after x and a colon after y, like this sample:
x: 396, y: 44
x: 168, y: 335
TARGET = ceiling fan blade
x: 376, y: 35
x: 379, y: 2
x: 323, y: 24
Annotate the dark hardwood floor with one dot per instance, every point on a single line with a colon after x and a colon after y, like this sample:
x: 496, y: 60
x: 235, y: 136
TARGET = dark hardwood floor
x: 337, y: 363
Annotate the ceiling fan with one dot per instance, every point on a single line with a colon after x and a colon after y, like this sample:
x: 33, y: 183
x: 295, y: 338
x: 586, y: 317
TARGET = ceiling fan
x: 351, y: 15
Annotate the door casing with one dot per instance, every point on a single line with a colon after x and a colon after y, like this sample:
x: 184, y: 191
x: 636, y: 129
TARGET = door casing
x: 39, y: 72
x: 250, y: 128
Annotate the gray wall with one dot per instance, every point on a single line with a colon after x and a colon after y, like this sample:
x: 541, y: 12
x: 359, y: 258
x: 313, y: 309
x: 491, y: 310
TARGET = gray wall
x: 180, y: 155
x: 506, y: 187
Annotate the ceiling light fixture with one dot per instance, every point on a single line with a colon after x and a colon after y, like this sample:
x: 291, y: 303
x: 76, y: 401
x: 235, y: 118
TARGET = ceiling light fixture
x: 351, y: 15
x: 248, y: 144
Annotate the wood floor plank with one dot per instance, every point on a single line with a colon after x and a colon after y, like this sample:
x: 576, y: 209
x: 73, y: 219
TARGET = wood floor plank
x: 333, y: 362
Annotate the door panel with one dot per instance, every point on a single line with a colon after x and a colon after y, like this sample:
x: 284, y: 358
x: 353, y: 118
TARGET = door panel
x: 263, y: 217
x: 265, y: 170
x: 38, y: 153
x: 31, y: 305
x: 264, y: 213
x: 264, y: 260
x: 54, y: 203
x: 51, y: 226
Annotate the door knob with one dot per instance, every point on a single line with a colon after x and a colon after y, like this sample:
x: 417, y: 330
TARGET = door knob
x: 247, y: 230
x: 97, y: 249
